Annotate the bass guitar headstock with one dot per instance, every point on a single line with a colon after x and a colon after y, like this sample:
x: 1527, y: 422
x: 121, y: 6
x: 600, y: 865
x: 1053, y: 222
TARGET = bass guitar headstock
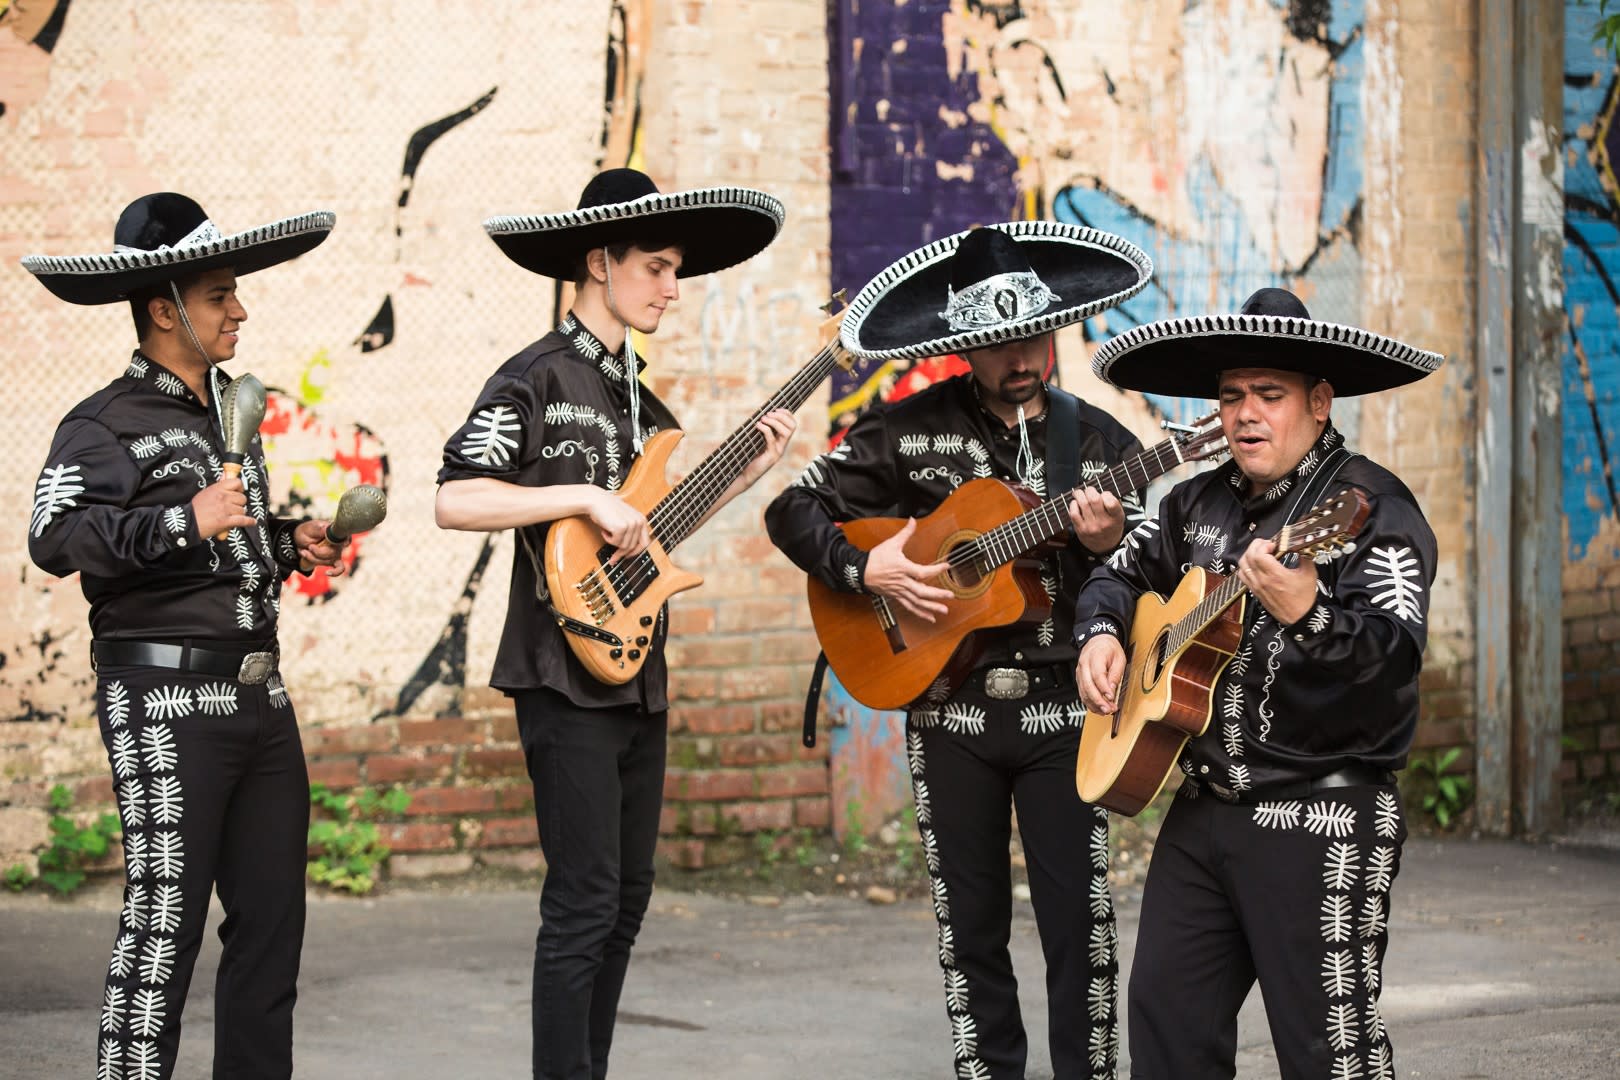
x: 1327, y: 528
x: 827, y: 331
x: 1201, y: 440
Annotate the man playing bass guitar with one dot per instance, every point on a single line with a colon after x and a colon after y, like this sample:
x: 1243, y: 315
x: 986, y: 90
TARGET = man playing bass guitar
x: 1007, y: 736
x: 1276, y: 858
x: 553, y: 435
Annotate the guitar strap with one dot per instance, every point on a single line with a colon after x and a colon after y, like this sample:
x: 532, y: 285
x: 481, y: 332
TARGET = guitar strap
x: 1062, y: 440
x: 812, y: 699
x: 568, y: 624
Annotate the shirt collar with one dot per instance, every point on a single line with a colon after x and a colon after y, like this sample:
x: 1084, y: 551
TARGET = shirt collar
x: 589, y: 347
x: 155, y: 378
x: 1329, y: 441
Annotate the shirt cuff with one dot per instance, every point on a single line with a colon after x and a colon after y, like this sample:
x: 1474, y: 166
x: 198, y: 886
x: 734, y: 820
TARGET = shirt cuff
x: 1317, y: 621
x: 180, y: 528
x: 1098, y: 627
x: 853, y: 571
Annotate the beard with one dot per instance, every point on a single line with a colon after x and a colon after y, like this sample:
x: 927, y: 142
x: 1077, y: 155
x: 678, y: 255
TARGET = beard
x: 1011, y: 393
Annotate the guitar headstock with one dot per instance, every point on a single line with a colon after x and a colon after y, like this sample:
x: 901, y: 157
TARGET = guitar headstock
x: 1327, y: 528
x: 827, y: 331
x: 1200, y: 440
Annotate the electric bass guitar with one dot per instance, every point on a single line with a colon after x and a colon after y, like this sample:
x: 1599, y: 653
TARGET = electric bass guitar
x: 608, y: 611
x: 888, y: 658
x: 1177, y: 650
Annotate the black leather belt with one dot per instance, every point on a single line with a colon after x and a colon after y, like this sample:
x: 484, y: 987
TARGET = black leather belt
x: 1012, y: 683
x: 1349, y: 776
x: 248, y: 665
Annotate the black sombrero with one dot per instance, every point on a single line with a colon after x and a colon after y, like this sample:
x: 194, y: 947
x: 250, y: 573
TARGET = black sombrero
x: 1184, y: 357
x: 163, y: 236
x: 992, y: 285
x: 715, y: 227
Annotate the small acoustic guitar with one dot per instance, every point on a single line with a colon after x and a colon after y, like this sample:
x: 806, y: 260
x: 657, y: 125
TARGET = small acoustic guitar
x: 888, y: 658
x: 1176, y: 653
x: 608, y: 611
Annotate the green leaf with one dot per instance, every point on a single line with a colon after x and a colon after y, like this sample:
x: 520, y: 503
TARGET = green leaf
x: 63, y: 881
x: 60, y: 798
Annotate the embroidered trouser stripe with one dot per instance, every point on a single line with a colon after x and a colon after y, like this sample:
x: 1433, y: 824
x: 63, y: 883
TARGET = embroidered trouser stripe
x: 212, y: 790
x: 972, y: 761
x: 1293, y: 892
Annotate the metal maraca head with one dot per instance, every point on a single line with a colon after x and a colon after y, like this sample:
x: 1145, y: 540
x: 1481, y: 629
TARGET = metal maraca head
x: 241, y: 411
x: 361, y: 509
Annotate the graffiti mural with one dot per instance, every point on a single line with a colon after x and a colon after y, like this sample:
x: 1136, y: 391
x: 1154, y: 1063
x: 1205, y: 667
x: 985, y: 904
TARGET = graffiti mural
x: 365, y: 344
x: 1591, y: 397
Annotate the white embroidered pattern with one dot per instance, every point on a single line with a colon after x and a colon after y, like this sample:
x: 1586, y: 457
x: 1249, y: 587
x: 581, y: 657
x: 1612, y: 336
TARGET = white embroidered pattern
x: 1335, y: 918
x: 166, y: 801
x: 489, y: 442
x: 1380, y: 868
x: 1280, y: 488
x: 157, y: 745
x: 146, y: 1017
x: 1237, y: 777
x: 1102, y: 902
x: 1104, y: 939
x: 1099, y: 848
x: 124, y: 759
x: 812, y: 474
x: 216, y: 699
x: 1373, y: 920
x: 962, y: 718
x: 244, y: 612
x: 1042, y: 718
x: 166, y: 703
x: 137, y: 368
x: 112, y: 1009
x: 168, y: 854
x: 1371, y: 975
x: 1232, y: 739
x: 135, y: 907
x: 1338, y: 973
x: 157, y: 960
x: 1394, y: 573
x: 1274, y: 647
x: 123, y: 957
x: 1277, y: 815
x: 1387, y: 815
x: 1133, y: 542
x: 852, y: 577
x: 168, y: 383
x: 58, y: 485
x: 166, y: 909
x: 132, y: 803
x: 1320, y: 618
x: 135, y: 856
x: 1232, y: 702
x: 1330, y: 819
x: 1339, y: 869
x: 117, y: 704
x: 146, y: 446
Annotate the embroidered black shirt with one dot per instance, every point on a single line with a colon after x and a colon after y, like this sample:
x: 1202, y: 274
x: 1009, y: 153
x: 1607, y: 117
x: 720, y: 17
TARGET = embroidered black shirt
x: 905, y: 458
x: 557, y: 413
x: 113, y: 504
x: 1338, y: 687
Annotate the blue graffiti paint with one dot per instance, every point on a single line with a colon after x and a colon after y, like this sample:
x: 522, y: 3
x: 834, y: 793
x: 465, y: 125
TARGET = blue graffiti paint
x: 1591, y: 407
x: 1218, y: 271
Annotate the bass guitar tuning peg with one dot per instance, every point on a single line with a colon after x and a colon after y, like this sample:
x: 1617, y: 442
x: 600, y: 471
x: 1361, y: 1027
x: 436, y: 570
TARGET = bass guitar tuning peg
x: 835, y: 302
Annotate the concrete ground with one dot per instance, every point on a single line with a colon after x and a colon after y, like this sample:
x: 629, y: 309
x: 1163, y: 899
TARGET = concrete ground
x: 1504, y: 962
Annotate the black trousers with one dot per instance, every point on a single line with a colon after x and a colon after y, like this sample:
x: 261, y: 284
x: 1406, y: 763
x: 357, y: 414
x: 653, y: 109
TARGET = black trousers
x: 972, y: 760
x: 1292, y: 892
x: 598, y: 788
x: 213, y: 791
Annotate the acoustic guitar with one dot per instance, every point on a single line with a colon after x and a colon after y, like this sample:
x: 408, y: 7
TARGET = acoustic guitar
x: 607, y: 611
x: 886, y: 657
x: 1177, y: 650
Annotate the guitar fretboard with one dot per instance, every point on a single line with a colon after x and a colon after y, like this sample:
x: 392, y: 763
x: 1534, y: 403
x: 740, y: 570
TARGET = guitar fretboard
x: 1050, y: 519
x: 686, y: 504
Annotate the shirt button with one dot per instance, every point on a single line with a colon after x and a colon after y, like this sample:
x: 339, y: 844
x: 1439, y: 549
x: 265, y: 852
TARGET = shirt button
x: 1252, y: 524
x: 181, y: 541
x: 1018, y: 656
x: 1203, y: 769
x: 1299, y: 637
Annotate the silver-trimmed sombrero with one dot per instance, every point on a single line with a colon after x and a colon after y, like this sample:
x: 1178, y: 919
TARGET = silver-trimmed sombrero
x: 716, y: 227
x: 1184, y: 357
x: 162, y: 236
x: 990, y: 285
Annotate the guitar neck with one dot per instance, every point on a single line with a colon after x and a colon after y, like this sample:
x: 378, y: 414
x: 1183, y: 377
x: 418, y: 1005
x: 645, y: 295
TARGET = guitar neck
x: 678, y: 513
x: 1212, y: 606
x: 1050, y: 519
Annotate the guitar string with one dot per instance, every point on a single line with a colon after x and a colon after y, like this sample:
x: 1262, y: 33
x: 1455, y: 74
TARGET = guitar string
x: 671, y: 520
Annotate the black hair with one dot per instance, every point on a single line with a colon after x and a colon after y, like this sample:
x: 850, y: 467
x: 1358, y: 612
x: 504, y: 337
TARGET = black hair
x: 141, y: 298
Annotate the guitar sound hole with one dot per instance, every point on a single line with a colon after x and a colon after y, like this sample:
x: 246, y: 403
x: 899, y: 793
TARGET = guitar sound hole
x: 1154, y: 669
x: 966, y: 575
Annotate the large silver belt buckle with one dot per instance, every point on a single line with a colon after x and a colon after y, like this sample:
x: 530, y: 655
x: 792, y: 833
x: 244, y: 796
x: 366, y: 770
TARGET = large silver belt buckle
x: 1006, y: 683
x: 256, y: 668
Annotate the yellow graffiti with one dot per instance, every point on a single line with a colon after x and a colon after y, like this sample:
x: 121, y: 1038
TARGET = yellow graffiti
x: 311, y: 391
x: 869, y: 389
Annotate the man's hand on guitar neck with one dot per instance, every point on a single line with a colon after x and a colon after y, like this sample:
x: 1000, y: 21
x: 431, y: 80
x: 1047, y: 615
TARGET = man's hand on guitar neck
x: 1098, y: 518
x: 889, y: 573
x: 1098, y: 672
x: 1288, y: 594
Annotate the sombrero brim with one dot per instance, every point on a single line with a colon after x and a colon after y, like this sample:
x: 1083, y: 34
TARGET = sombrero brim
x: 897, y: 315
x: 107, y: 278
x: 1184, y: 357
x: 715, y: 227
